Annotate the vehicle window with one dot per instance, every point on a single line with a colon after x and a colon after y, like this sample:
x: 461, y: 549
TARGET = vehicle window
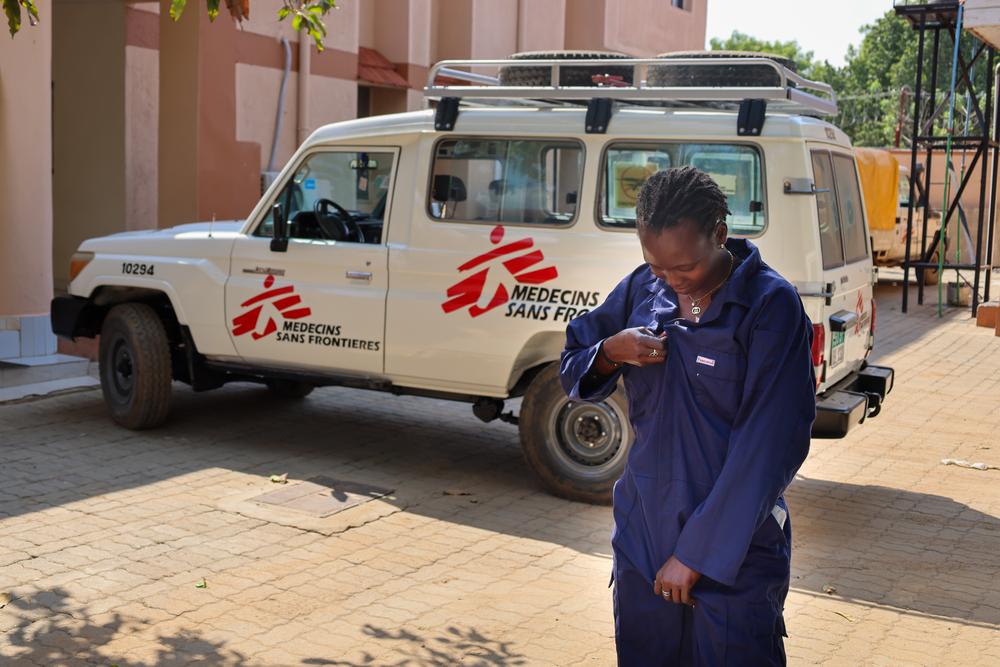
x: 852, y: 219
x: 357, y: 181
x: 826, y: 210
x: 506, y: 180
x: 736, y: 168
x: 904, y: 189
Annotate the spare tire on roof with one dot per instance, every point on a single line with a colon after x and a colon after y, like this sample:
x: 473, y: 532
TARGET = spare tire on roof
x: 721, y: 75
x: 575, y: 75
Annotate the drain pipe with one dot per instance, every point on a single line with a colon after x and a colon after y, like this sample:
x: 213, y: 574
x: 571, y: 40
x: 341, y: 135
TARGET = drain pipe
x: 305, y: 53
x: 281, y: 103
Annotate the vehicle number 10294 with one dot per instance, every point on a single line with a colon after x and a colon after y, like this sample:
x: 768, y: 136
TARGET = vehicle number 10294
x: 134, y: 269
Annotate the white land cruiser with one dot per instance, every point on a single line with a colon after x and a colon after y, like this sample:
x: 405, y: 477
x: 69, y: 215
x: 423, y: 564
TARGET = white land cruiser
x: 442, y: 252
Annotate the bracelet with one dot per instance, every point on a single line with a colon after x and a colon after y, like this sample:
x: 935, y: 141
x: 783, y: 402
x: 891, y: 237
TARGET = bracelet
x: 600, y: 351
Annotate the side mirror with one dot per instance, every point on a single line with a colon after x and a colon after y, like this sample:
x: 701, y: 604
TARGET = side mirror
x: 279, y: 240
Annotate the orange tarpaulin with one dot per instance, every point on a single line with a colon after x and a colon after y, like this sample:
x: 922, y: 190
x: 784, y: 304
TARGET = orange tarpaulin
x: 879, y: 172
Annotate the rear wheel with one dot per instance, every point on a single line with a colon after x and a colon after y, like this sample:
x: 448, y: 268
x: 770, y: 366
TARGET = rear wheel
x: 290, y: 388
x: 578, y: 449
x: 135, y: 366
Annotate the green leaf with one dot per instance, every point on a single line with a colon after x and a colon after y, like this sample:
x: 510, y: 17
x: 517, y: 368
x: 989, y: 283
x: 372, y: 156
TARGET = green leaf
x: 297, y: 22
x: 12, y: 8
x: 283, y: 13
x: 177, y: 8
x: 32, y: 10
x: 317, y: 25
x: 213, y: 9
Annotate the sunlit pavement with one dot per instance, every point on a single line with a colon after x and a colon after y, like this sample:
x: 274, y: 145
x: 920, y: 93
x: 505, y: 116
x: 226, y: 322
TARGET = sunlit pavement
x: 154, y: 549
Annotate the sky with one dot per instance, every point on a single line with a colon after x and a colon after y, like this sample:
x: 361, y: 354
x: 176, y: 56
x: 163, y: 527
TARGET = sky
x: 825, y: 27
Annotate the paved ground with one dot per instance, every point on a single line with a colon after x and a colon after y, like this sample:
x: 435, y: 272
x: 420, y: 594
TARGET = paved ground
x: 105, y: 534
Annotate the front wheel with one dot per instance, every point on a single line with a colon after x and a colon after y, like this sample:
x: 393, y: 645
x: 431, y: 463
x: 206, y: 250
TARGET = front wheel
x: 578, y: 449
x: 135, y: 366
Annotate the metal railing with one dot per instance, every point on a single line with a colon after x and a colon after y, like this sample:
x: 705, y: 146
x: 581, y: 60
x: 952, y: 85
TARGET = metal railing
x: 793, y: 92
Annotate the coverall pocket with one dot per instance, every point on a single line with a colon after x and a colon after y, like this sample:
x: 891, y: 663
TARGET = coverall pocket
x: 770, y: 534
x: 754, y: 632
x: 717, y: 380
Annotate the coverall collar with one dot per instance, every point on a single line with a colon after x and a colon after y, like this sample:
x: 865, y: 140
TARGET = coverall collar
x: 735, y: 289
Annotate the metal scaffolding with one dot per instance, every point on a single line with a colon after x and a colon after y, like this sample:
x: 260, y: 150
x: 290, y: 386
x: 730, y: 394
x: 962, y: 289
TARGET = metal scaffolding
x: 930, y: 20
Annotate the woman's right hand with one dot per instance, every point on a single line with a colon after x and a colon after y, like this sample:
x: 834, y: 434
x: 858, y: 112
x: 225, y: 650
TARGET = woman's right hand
x: 637, y: 346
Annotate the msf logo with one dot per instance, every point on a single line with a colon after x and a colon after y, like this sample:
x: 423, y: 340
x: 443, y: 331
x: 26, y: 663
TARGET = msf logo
x: 468, y: 292
x: 280, y: 301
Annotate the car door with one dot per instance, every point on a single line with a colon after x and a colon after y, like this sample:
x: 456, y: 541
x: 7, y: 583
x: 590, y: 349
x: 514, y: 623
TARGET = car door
x: 320, y: 304
x: 847, y: 264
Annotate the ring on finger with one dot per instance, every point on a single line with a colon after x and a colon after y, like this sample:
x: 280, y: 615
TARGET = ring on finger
x: 666, y: 595
x: 654, y: 353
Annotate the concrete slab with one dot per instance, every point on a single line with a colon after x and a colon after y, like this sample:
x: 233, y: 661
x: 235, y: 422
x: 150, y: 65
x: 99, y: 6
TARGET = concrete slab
x: 19, y: 392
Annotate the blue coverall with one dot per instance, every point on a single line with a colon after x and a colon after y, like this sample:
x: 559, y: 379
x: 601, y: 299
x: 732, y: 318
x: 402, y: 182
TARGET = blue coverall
x: 720, y: 430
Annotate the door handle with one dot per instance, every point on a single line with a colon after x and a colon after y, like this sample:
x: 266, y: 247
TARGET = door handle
x: 359, y: 275
x: 265, y: 270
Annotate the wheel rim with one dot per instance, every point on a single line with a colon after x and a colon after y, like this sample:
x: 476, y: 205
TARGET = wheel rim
x: 591, y: 438
x: 122, y: 369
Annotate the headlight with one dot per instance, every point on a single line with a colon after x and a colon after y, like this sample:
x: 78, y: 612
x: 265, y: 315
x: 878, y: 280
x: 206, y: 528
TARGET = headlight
x: 78, y: 262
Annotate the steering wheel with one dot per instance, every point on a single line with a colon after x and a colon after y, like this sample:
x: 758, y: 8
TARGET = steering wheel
x: 337, y: 226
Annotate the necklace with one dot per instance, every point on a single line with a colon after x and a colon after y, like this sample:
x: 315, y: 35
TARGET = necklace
x: 695, y: 303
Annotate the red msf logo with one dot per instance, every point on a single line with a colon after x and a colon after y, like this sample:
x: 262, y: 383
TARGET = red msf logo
x: 859, y: 310
x: 281, y: 299
x: 468, y: 291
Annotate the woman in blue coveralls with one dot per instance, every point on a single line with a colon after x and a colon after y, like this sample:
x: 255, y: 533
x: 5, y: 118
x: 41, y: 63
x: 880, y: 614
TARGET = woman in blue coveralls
x: 715, y: 350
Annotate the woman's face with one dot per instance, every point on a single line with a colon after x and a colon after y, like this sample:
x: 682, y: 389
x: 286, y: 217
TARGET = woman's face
x: 683, y: 256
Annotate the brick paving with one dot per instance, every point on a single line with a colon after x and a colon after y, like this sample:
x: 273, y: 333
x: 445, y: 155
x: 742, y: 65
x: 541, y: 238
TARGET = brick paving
x: 105, y: 534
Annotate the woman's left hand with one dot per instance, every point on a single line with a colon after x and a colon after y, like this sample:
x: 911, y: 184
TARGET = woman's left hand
x: 674, y: 582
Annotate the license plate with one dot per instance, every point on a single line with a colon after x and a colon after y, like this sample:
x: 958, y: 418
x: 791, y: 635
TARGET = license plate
x: 837, y: 348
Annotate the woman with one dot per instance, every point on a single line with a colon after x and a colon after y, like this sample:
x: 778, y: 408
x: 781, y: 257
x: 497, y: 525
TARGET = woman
x: 715, y: 349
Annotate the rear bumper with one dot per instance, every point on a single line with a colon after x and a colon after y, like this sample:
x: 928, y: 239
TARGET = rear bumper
x: 851, y: 401
x: 74, y: 317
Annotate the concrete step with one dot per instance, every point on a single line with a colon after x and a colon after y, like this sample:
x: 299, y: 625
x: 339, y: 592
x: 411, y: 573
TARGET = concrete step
x: 45, y: 388
x: 45, y: 368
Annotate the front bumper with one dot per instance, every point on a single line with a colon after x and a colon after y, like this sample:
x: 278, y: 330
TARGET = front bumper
x: 847, y: 404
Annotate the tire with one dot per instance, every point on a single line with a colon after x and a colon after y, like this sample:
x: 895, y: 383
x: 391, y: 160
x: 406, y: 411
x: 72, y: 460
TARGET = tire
x: 290, y: 388
x: 559, y: 454
x: 135, y: 369
x: 578, y: 75
x: 717, y: 75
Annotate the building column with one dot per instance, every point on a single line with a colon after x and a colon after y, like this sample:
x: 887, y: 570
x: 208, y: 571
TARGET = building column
x: 204, y: 172
x: 26, y: 192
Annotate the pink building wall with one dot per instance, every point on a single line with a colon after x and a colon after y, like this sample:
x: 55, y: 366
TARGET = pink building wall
x: 198, y: 112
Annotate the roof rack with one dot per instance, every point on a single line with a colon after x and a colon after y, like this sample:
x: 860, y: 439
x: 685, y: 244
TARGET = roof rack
x: 790, y: 96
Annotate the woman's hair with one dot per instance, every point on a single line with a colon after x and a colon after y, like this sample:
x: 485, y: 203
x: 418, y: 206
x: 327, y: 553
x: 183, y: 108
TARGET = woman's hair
x: 682, y: 193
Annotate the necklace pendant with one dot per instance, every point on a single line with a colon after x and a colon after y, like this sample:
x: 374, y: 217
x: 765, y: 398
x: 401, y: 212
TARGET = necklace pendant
x: 696, y: 310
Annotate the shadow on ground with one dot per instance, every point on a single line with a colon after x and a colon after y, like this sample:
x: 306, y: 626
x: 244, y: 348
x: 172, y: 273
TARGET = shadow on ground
x: 915, y: 552
x: 50, y: 629
x: 452, y: 646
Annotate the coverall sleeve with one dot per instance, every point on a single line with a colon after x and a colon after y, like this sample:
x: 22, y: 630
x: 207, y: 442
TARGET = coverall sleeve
x: 583, y: 338
x: 768, y: 442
